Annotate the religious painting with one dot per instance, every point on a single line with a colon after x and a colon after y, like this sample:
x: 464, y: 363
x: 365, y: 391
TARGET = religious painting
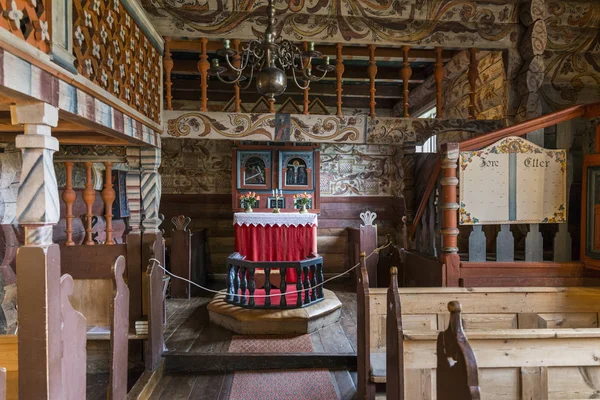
x: 512, y: 181
x: 254, y: 169
x: 276, y: 203
x: 296, y: 170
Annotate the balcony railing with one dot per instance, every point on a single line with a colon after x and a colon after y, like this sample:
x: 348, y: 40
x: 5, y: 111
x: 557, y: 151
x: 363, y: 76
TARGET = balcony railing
x: 242, y: 287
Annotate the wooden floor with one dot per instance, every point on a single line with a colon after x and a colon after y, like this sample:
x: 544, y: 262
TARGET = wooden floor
x: 188, y: 330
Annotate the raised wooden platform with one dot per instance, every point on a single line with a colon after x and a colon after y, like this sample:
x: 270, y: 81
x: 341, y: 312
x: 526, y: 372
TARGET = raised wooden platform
x: 275, y: 321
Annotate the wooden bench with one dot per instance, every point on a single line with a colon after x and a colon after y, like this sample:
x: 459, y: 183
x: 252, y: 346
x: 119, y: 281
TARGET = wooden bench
x: 424, y: 311
x: 529, y: 343
x: 9, y: 359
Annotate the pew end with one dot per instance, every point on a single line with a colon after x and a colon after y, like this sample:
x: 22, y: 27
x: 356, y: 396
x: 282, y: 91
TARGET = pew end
x: 456, y: 373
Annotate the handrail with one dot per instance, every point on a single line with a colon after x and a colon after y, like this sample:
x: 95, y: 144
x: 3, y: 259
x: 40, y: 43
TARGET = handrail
x: 520, y: 129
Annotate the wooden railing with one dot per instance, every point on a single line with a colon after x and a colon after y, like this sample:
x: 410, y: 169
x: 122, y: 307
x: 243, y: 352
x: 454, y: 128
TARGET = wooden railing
x: 242, y: 290
x: 520, y: 129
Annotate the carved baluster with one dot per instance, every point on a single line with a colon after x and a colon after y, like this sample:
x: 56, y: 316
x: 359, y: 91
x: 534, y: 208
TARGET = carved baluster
x: 306, y: 101
x: 230, y: 280
x: 69, y: 196
x: 339, y: 72
x: 237, y: 63
x: 267, y: 286
x: 306, y: 285
x: 203, y: 67
x: 477, y: 244
x: 89, y: 195
x: 313, y: 281
x: 168, y: 66
x: 271, y: 105
x: 449, y: 207
x: 236, y: 283
x: 243, y: 284
x: 472, y: 77
x: 534, y: 244
x: 282, y: 287
x: 299, y: 286
x: 405, y: 74
x: 505, y: 244
x: 320, y: 280
x: 372, y: 73
x: 251, y: 286
x: 108, y: 196
x: 439, y: 74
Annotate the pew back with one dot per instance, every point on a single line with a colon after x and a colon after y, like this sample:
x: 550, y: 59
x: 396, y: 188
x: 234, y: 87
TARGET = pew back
x: 425, y: 309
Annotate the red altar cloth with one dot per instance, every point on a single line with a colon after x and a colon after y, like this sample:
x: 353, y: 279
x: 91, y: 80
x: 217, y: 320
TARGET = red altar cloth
x: 273, y: 240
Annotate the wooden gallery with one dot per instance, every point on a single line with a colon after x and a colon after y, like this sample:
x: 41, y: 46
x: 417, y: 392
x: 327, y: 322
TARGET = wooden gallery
x: 308, y: 199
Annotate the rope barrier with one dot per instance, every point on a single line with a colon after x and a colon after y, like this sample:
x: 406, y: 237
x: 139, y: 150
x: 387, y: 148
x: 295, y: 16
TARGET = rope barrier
x: 376, y: 251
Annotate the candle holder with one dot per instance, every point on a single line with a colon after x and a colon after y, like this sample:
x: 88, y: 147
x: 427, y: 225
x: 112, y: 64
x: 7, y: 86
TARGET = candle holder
x: 277, y: 193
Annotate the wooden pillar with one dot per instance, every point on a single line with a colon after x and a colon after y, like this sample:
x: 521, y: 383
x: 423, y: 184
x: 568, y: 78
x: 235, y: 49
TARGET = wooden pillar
x: 181, y: 256
x: 372, y: 70
x: 236, y: 87
x: 339, y: 72
x: 151, y: 188
x: 203, y: 67
x: 89, y: 195
x: 168, y: 66
x: 69, y: 196
x: 405, y: 75
x: 472, y: 77
x: 108, y: 197
x: 449, y: 207
x: 306, y: 101
x: 38, y: 261
x: 135, y: 267
x: 439, y: 74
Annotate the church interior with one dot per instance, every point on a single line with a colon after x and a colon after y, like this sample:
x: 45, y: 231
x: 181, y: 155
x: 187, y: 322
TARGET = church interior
x: 305, y: 199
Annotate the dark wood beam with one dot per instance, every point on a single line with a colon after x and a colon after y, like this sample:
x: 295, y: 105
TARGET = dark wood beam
x: 350, y: 52
x: 230, y: 362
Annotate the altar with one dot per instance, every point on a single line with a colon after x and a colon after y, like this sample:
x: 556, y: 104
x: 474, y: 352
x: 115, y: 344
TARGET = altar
x: 261, y: 236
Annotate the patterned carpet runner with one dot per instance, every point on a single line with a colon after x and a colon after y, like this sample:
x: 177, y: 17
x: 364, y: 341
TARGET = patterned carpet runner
x: 279, y: 385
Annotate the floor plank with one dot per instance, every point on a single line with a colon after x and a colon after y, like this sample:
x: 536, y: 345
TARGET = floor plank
x: 214, y: 339
x: 160, y: 387
x: 207, y: 387
x: 226, y: 387
x: 334, y: 339
x: 185, y: 335
x: 179, y: 387
x: 181, y: 314
x: 345, y: 385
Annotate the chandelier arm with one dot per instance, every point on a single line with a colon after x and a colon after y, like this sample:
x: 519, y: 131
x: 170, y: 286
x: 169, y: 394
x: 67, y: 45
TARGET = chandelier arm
x: 230, y: 82
x: 314, y: 78
x: 238, y: 70
x: 249, y: 80
x: 296, y: 80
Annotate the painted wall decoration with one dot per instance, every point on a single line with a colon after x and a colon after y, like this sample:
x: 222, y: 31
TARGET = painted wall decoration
x: 512, y: 181
x: 358, y: 170
x: 196, y: 166
x: 266, y: 127
x: 572, y: 56
x: 416, y: 130
x: 112, y: 51
x: 424, y: 22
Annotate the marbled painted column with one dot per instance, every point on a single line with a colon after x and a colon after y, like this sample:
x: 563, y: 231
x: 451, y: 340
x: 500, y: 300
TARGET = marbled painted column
x: 151, y: 188
x: 408, y: 182
x: 38, y: 261
x: 133, y: 189
x: 449, y: 184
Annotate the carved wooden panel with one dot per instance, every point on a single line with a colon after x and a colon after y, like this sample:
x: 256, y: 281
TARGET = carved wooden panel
x: 114, y: 53
x: 26, y: 20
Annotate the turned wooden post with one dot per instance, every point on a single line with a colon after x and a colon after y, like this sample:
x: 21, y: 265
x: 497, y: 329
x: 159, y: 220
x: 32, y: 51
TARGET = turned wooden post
x: 236, y: 87
x: 108, y: 197
x: 472, y: 77
x: 339, y: 72
x: 69, y: 196
x: 88, y: 196
x: 439, y: 74
x: 306, y: 101
x: 405, y: 74
x: 168, y: 66
x: 449, y: 182
x: 271, y: 105
x: 203, y: 67
x: 38, y: 260
x: 181, y: 256
x: 372, y: 70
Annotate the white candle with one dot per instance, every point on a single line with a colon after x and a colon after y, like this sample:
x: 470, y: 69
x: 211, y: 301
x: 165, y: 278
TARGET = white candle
x: 273, y: 192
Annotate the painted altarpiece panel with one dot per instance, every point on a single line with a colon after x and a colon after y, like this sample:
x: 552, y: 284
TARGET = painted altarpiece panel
x: 512, y: 181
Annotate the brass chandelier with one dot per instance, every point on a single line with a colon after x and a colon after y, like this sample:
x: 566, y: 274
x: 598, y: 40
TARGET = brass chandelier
x: 270, y: 57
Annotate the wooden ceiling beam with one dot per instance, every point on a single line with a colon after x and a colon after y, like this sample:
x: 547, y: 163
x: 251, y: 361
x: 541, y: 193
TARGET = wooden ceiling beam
x: 350, y: 52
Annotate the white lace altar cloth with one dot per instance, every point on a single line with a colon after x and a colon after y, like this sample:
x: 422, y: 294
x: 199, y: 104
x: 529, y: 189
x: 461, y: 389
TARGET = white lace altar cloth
x: 273, y: 219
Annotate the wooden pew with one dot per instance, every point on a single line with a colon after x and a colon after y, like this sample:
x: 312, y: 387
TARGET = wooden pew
x: 9, y: 360
x: 528, y: 343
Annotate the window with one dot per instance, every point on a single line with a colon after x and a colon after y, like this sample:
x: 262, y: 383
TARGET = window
x: 430, y: 145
